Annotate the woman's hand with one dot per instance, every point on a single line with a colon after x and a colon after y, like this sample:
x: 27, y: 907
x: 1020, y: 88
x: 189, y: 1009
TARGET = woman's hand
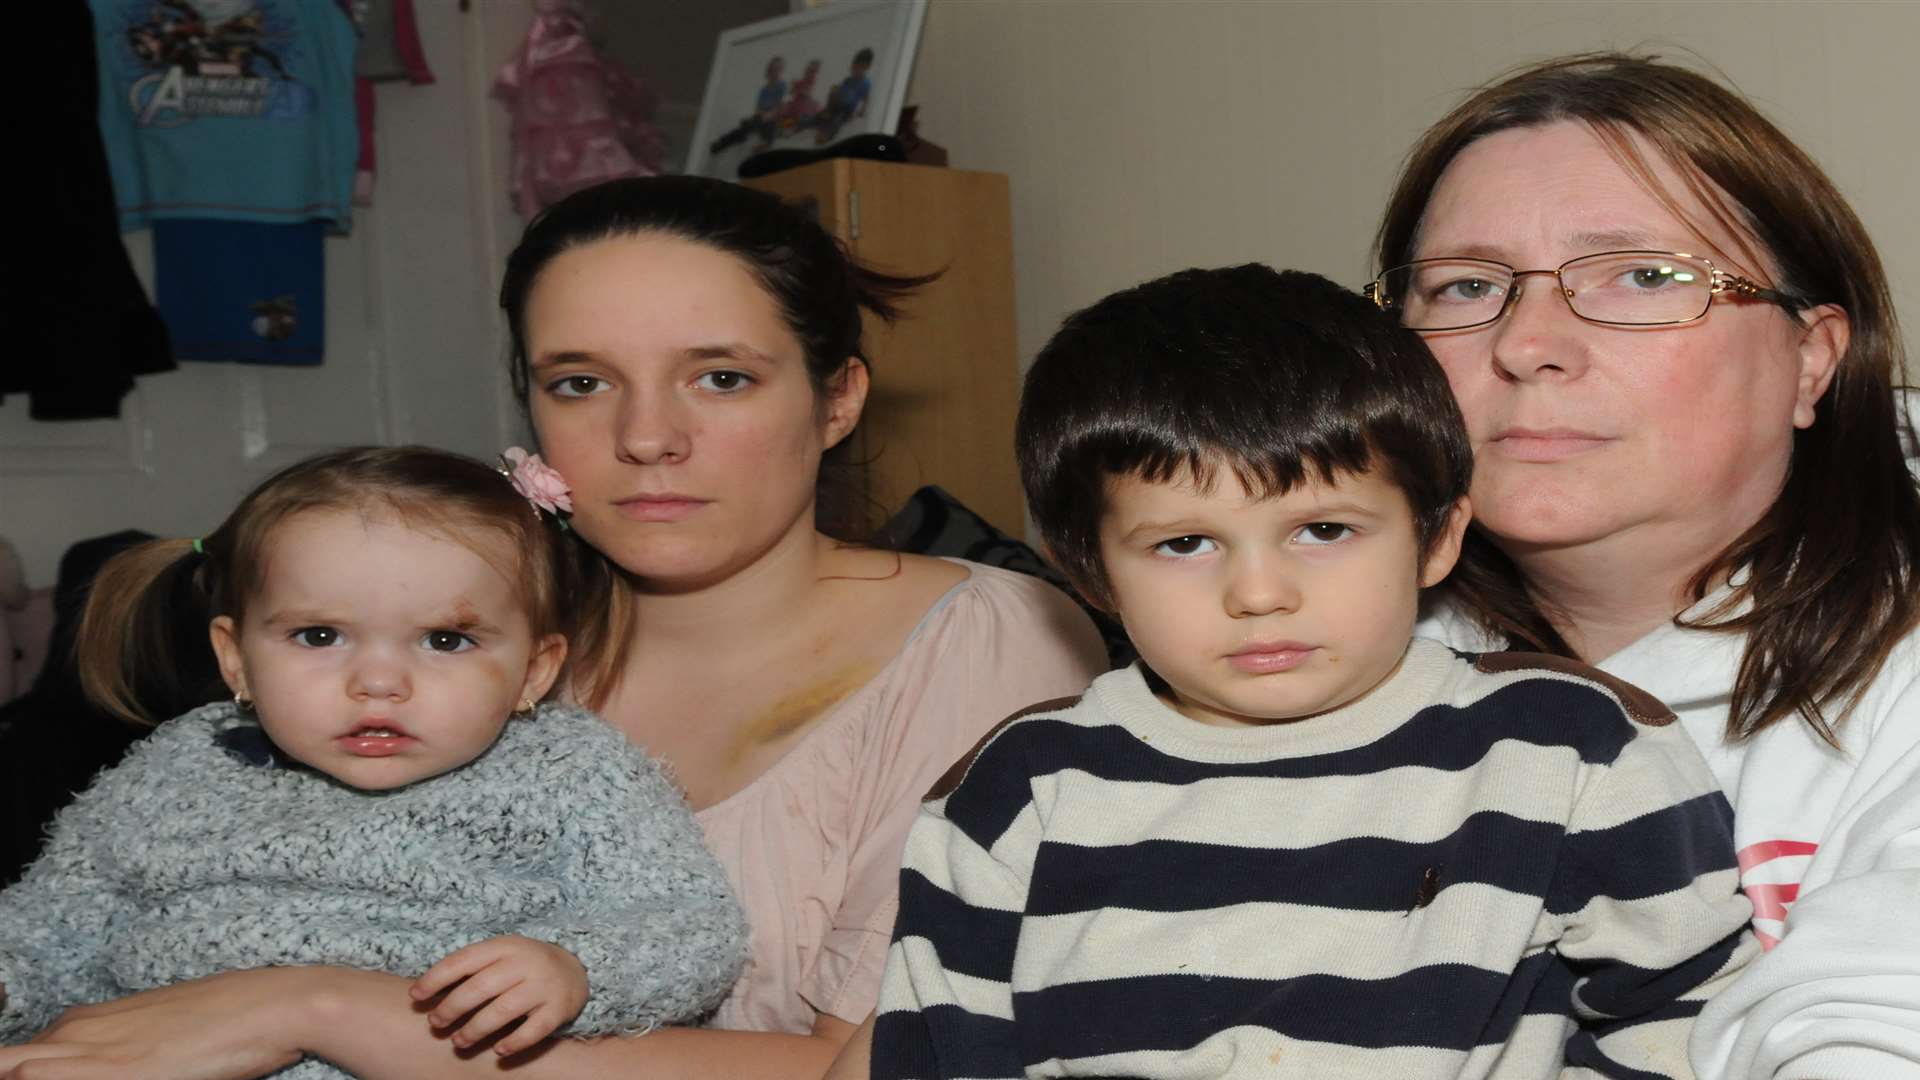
x: 246, y: 1024
x: 232, y: 1026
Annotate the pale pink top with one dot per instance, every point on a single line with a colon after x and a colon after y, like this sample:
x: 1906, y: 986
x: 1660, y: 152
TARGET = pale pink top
x: 813, y: 844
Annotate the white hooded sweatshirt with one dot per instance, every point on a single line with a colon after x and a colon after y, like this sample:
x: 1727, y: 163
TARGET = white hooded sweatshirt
x: 1829, y: 849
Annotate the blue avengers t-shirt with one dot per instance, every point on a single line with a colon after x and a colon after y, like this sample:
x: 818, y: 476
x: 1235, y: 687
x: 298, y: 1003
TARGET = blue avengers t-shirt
x: 239, y: 110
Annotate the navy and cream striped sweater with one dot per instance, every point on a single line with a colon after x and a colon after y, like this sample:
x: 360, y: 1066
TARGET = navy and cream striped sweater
x: 1504, y: 866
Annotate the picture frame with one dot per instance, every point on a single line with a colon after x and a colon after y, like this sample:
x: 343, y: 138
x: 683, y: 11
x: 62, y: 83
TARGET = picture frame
x: 805, y: 81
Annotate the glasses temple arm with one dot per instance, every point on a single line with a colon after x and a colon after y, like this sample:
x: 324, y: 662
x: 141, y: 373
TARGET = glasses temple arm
x: 1725, y: 282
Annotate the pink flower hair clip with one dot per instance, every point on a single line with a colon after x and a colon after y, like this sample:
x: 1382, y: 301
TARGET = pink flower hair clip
x: 540, y: 483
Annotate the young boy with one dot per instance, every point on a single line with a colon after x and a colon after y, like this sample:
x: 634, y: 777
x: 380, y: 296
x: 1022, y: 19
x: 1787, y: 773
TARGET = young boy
x: 1292, y: 841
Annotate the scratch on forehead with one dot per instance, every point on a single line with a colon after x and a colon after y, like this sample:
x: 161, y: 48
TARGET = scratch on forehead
x: 464, y: 617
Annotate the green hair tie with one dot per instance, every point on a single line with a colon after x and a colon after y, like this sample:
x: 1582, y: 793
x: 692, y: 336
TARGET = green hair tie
x: 197, y: 549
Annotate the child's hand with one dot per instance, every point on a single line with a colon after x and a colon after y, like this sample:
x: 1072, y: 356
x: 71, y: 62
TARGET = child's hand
x: 512, y: 977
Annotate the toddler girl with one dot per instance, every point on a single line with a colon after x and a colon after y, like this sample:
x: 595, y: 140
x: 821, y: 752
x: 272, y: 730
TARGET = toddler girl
x: 383, y: 791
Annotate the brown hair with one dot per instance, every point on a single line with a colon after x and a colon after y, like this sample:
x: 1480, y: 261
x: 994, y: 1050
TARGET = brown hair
x: 1281, y: 376
x: 820, y: 290
x: 145, y: 600
x: 1829, y: 568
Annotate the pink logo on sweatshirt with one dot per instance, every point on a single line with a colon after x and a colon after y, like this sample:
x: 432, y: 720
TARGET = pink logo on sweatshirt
x: 1772, y: 899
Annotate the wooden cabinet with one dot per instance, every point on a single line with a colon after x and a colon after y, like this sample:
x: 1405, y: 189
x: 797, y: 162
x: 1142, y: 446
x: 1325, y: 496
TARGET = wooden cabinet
x: 945, y: 376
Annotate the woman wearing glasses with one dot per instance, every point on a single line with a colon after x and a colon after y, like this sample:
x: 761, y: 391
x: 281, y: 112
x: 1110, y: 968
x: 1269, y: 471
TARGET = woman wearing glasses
x: 1675, y: 350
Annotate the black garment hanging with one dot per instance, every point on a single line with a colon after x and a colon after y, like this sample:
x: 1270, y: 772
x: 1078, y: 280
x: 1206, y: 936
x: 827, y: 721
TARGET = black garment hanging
x: 77, y: 324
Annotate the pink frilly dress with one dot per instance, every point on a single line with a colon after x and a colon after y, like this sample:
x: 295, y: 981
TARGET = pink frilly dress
x: 578, y: 118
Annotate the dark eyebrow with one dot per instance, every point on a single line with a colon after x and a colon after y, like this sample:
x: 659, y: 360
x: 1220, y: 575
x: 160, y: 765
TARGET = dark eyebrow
x: 299, y: 617
x: 730, y: 350
x: 1339, y: 508
x: 555, y: 359
x: 1176, y: 527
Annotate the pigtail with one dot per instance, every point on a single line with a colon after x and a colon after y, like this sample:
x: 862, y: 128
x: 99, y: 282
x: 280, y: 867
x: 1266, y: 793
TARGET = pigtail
x: 129, y: 650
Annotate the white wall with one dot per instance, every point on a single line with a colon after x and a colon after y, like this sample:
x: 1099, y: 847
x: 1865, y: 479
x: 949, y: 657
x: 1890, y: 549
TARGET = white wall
x: 1146, y: 136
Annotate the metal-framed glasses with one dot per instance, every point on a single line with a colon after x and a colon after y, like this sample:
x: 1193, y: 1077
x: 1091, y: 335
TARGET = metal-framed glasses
x: 1614, y: 288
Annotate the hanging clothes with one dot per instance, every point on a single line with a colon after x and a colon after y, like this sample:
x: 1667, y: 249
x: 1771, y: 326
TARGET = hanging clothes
x: 244, y: 291
x: 234, y: 109
x: 232, y: 131
x: 579, y: 119
x: 390, y: 51
x: 79, y: 326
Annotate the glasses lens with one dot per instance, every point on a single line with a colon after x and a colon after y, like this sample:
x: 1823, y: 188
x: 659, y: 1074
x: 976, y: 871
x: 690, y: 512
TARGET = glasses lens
x: 1447, y: 294
x: 1638, y: 288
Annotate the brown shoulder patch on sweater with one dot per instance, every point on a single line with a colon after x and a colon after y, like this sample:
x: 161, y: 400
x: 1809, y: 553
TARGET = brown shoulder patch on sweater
x: 958, y: 770
x: 1642, y: 707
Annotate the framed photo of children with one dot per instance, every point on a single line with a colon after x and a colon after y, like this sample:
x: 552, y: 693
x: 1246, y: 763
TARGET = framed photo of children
x: 805, y: 80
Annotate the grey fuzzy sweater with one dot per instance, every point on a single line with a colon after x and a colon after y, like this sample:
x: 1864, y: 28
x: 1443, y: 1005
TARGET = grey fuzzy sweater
x: 199, y: 854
